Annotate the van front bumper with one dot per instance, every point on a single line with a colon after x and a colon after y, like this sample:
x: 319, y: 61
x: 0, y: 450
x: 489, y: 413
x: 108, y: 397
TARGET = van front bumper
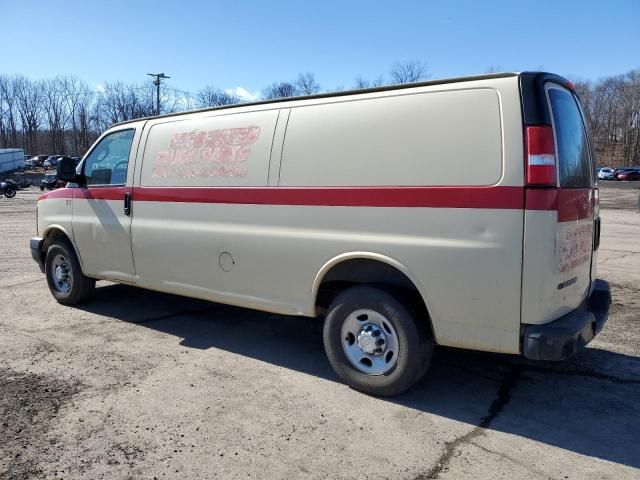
x: 563, y: 337
x: 36, y: 251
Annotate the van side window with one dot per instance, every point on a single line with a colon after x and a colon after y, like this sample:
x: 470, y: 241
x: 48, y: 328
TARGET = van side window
x: 571, y: 139
x: 108, y: 161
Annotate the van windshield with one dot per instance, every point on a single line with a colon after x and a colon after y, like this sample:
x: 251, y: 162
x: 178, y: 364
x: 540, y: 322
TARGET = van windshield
x: 571, y: 140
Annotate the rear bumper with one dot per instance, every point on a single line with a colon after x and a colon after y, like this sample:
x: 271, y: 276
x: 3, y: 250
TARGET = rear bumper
x: 36, y: 251
x: 563, y: 337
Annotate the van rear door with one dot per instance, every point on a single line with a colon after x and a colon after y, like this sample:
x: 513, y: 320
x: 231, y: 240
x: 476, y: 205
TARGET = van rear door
x: 576, y: 199
x: 560, y: 224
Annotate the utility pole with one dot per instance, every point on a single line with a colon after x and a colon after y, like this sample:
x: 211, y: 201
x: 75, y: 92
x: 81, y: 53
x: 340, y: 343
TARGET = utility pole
x: 158, y: 78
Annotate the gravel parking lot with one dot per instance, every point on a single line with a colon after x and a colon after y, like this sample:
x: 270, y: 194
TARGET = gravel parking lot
x: 139, y: 384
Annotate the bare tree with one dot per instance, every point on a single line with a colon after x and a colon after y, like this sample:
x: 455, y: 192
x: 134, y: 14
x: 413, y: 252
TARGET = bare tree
x: 306, y: 84
x: 378, y: 81
x: 119, y: 102
x: 184, y: 101
x: 361, y: 82
x: 87, y: 131
x: 280, y: 90
x: 55, y: 113
x: 28, y: 97
x: 215, y: 97
x: 77, y: 98
x: 170, y: 101
x: 612, y: 110
x: 62, y: 115
x: 410, y: 71
x: 8, y: 113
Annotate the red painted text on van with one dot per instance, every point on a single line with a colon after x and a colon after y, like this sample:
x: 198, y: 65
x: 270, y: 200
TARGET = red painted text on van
x: 575, y: 243
x: 202, y: 154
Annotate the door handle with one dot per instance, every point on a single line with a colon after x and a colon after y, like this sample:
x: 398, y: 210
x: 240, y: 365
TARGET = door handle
x: 127, y: 203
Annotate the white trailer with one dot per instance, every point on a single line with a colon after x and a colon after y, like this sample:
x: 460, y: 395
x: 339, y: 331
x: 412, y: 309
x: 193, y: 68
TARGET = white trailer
x: 11, y: 159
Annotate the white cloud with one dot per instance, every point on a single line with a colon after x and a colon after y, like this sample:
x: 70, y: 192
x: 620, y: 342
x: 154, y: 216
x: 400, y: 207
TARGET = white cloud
x: 100, y: 88
x: 243, y: 94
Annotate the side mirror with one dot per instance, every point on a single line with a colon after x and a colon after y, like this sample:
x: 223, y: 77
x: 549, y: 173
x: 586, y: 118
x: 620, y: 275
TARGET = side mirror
x: 66, y: 170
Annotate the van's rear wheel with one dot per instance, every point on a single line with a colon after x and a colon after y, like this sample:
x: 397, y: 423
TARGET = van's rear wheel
x: 67, y: 283
x: 374, y: 344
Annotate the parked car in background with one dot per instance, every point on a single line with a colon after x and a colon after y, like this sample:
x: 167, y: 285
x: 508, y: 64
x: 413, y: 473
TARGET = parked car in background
x: 50, y: 182
x: 605, y: 173
x: 631, y: 174
x: 620, y: 171
x: 51, y: 161
x: 36, y: 161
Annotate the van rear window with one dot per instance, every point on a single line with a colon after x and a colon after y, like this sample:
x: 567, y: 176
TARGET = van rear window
x: 571, y: 140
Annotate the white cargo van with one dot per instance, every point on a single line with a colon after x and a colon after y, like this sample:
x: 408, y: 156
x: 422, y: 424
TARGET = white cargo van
x: 460, y: 212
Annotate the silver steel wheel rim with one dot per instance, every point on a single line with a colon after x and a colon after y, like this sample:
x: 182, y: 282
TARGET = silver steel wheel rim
x: 61, y: 274
x: 370, y: 342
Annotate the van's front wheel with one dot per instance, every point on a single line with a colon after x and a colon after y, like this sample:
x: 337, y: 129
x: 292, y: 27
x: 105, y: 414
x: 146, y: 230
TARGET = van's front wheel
x: 67, y: 283
x: 373, y: 343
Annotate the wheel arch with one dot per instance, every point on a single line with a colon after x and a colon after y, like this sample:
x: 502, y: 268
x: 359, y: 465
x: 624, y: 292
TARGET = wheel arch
x: 53, y: 232
x: 359, y: 268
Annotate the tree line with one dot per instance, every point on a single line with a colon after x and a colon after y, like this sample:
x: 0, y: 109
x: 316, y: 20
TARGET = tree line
x: 63, y: 115
x: 612, y: 109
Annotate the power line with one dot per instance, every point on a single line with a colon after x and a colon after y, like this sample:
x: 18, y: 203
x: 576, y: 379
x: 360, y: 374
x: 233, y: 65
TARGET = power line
x: 186, y: 92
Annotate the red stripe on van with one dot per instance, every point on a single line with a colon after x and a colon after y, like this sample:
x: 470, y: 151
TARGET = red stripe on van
x: 58, y: 193
x: 572, y: 204
x: 575, y: 204
x: 94, y: 193
x: 541, y: 198
x: 101, y: 193
x: 503, y: 197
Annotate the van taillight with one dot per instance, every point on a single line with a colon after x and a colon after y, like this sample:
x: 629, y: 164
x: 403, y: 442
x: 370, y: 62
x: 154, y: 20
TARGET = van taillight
x: 541, y: 156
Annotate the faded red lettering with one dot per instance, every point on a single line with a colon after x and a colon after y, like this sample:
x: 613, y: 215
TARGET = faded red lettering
x: 206, y: 154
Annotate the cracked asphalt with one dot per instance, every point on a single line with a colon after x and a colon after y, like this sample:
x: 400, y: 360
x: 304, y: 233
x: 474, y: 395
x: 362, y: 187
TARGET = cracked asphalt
x: 138, y: 384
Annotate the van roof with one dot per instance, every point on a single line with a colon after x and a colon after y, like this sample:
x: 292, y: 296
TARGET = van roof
x: 539, y: 76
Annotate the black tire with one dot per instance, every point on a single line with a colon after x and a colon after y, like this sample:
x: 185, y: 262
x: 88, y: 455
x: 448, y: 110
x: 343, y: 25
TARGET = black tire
x: 9, y: 192
x: 42, y: 188
x: 81, y: 287
x: 415, y: 343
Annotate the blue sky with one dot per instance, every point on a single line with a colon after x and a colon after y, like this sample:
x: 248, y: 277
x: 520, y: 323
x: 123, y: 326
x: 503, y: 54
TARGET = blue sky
x: 250, y: 44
